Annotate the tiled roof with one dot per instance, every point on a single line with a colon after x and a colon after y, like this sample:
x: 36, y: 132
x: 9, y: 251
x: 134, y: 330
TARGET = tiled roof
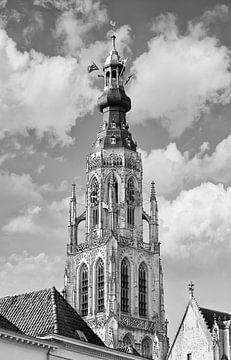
x: 209, y: 316
x: 7, y: 325
x: 45, y: 312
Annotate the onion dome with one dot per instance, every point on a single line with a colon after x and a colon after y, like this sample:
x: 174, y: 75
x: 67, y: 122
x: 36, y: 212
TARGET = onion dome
x: 113, y: 95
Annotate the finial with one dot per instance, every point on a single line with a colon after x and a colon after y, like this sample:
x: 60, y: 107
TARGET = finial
x: 73, y: 191
x: 191, y: 289
x: 113, y: 37
x: 153, y: 191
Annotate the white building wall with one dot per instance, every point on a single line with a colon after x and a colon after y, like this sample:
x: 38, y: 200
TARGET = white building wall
x: 192, y: 339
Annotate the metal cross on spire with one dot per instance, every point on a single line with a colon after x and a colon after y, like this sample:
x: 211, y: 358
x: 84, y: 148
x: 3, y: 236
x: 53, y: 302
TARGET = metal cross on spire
x: 191, y: 288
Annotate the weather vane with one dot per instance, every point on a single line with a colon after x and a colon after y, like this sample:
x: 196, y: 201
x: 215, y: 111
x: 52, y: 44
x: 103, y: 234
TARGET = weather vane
x: 191, y: 288
x: 113, y: 25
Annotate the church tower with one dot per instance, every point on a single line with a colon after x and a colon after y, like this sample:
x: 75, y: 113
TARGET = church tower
x: 114, y: 278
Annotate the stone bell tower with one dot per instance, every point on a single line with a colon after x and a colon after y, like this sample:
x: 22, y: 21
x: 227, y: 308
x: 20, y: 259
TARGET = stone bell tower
x: 114, y: 279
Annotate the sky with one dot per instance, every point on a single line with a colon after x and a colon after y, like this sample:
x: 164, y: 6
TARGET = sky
x: 179, y: 53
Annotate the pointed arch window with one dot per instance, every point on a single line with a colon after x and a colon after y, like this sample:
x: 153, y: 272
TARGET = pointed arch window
x: 125, y: 286
x: 146, y: 348
x: 130, y: 202
x: 94, y: 202
x: 84, y: 290
x: 100, y: 286
x: 107, y: 78
x: 127, y: 341
x: 142, y: 290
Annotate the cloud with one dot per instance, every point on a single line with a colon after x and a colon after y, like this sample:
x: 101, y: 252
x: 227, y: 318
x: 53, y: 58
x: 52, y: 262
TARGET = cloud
x: 180, y: 75
x: 26, y: 272
x: 46, y: 94
x: 3, y: 4
x: 62, y: 187
x: 36, y: 24
x: 173, y: 170
x: 40, y: 169
x: 24, y: 223
x: 17, y: 189
x: 77, y: 20
x: 197, y: 224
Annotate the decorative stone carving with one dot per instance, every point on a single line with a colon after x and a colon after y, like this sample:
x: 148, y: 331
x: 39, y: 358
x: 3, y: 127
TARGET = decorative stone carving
x: 132, y: 163
x: 112, y: 160
x: 136, y: 323
x: 81, y: 257
x: 94, y: 162
x: 123, y: 241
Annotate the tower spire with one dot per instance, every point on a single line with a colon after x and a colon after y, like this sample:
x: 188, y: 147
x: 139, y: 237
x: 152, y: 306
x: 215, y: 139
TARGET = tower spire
x: 153, y: 191
x: 72, y: 226
x: 153, y: 226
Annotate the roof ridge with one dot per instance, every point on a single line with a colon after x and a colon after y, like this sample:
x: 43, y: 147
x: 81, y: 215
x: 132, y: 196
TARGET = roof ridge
x: 25, y: 293
x: 54, y: 309
x: 215, y: 311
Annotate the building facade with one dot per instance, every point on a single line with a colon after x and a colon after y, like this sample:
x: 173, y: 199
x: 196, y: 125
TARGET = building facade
x: 203, y: 334
x: 114, y: 278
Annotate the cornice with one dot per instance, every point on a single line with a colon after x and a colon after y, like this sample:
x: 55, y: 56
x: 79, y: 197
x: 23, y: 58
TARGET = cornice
x: 24, y: 339
x: 91, y: 349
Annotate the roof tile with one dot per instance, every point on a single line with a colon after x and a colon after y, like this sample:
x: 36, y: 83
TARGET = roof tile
x: 45, y: 312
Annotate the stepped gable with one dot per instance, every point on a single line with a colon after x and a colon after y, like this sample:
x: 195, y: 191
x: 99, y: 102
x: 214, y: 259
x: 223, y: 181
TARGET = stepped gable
x: 46, y: 312
x: 209, y: 316
x: 7, y: 325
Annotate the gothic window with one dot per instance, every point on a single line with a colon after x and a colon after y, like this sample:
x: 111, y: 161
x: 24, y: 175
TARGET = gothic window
x: 107, y: 78
x: 94, y: 202
x: 127, y: 341
x: 142, y: 290
x: 100, y: 286
x: 84, y: 290
x: 113, y: 75
x: 146, y: 348
x: 130, y: 202
x: 124, y: 286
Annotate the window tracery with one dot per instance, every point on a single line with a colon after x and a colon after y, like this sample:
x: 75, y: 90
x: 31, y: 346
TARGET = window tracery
x: 84, y: 290
x: 94, y: 202
x: 100, y: 285
x: 124, y: 286
x: 130, y: 202
x: 142, y: 290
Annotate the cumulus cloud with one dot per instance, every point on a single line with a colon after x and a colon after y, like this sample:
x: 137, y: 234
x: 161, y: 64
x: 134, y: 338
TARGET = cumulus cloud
x: 173, y: 170
x: 180, y: 75
x: 24, y: 223
x: 25, y: 272
x: 46, y: 94
x: 197, y: 223
x: 3, y: 4
x: 78, y: 18
x: 16, y: 189
x: 25, y: 210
